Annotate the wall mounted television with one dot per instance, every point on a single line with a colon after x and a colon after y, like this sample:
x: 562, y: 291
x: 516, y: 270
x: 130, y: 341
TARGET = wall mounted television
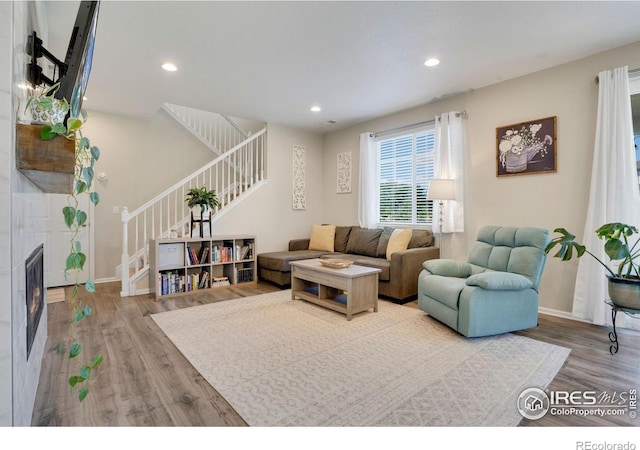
x: 72, y: 73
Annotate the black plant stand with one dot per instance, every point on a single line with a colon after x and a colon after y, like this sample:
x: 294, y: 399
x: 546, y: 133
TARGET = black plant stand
x: 204, y: 218
x: 613, y: 335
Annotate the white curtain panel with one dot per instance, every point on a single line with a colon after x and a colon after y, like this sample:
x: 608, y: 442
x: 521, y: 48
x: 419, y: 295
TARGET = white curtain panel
x: 613, y: 197
x: 449, y: 164
x: 368, y: 192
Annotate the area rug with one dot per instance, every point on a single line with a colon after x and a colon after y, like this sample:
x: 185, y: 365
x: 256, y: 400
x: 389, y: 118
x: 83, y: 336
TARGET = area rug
x: 283, y: 362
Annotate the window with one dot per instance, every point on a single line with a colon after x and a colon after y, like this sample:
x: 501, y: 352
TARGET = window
x: 405, y: 168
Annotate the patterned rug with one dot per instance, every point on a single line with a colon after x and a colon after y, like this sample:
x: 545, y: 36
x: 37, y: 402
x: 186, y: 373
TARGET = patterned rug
x: 280, y: 362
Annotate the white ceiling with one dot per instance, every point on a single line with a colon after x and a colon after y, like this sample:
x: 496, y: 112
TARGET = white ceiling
x: 271, y: 61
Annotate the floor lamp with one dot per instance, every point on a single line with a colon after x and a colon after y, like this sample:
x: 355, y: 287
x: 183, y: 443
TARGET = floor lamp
x: 441, y: 190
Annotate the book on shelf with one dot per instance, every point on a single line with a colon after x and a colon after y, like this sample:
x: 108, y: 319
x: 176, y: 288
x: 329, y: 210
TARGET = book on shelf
x: 246, y: 252
x: 220, y: 281
x: 204, y: 279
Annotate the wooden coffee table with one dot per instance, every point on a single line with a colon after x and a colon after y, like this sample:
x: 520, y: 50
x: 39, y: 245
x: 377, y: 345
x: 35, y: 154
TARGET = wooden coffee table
x: 350, y: 290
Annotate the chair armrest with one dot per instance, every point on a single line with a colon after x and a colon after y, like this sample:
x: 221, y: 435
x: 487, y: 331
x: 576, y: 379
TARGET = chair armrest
x: 500, y: 281
x: 299, y: 244
x: 448, y: 268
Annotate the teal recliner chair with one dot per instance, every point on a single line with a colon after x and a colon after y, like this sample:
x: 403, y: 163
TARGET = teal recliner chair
x: 496, y: 291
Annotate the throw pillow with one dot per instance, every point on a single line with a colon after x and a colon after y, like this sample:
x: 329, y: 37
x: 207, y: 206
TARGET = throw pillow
x: 342, y: 238
x: 398, y: 241
x: 322, y: 237
x: 364, y: 241
x: 421, y: 238
x: 383, y: 242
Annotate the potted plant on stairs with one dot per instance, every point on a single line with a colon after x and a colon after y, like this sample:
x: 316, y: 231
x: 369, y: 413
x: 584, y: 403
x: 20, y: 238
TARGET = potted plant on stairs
x: 623, y: 284
x: 207, y: 200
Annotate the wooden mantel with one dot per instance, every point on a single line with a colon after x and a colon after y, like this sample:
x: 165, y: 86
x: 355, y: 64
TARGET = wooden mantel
x: 47, y: 164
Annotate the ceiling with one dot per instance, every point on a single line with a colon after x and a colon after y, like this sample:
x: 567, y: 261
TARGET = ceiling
x: 271, y: 61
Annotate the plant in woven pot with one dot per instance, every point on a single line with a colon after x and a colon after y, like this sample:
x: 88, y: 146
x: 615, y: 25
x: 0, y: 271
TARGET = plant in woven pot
x: 624, y: 283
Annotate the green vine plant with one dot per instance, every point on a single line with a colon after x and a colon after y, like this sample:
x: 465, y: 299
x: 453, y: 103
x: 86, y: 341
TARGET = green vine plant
x: 86, y: 156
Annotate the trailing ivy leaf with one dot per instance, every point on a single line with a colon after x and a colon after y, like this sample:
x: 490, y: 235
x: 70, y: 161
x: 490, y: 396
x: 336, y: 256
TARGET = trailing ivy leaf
x: 85, y: 372
x: 73, y: 123
x: 73, y: 261
x: 59, y: 348
x: 74, y: 292
x: 69, y: 215
x: 87, y: 310
x: 97, y: 361
x: 81, y: 217
x: 75, y: 379
x: 94, y: 197
x: 75, y: 350
x: 95, y: 153
x: 83, y: 143
x: 81, y: 186
x: 78, y: 247
x: 90, y: 286
x: 59, y: 128
x: 83, y: 393
x: 45, y: 103
x: 47, y: 133
x: 87, y: 174
x: 82, y: 258
x: 79, y: 316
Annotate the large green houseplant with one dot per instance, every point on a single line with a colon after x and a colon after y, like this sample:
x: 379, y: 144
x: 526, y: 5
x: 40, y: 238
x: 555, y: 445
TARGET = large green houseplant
x: 206, y: 199
x: 623, y: 283
x: 75, y: 218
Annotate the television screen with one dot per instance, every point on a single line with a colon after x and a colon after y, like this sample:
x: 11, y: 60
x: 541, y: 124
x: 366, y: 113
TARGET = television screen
x: 79, y: 56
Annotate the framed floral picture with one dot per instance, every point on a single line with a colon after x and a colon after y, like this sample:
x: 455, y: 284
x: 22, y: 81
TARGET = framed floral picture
x: 527, y: 147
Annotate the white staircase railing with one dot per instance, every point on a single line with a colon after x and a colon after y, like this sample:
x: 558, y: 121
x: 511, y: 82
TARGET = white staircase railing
x: 232, y: 174
x: 217, y: 131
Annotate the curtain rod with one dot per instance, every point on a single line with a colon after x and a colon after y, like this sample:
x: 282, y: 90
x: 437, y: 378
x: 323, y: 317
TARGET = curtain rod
x: 413, y: 125
x: 629, y: 72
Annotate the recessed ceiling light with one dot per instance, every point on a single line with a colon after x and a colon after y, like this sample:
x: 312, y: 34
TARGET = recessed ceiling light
x: 316, y: 109
x: 23, y: 86
x: 169, y: 67
x: 432, y: 62
x: 84, y: 98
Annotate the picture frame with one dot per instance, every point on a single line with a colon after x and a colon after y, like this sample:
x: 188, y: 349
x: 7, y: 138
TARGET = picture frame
x: 343, y: 175
x: 527, y: 148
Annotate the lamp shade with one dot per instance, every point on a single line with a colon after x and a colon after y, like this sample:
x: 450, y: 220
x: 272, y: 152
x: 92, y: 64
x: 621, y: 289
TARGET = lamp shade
x: 442, y: 189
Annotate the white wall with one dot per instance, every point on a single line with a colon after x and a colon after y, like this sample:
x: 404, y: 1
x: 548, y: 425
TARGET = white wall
x: 6, y: 144
x: 546, y: 200
x: 268, y: 213
x: 21, y: 231
x: 141, y: 158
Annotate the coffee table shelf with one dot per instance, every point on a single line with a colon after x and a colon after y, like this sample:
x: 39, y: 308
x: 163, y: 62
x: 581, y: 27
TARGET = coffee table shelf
x: 327, y: 287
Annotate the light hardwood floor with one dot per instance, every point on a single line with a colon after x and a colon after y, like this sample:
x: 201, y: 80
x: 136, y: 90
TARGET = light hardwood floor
x: 146, y: 381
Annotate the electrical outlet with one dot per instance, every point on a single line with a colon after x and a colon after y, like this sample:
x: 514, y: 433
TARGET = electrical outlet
x: 116, y: 210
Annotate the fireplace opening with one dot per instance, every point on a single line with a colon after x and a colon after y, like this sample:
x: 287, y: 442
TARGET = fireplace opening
x: 34, y: 268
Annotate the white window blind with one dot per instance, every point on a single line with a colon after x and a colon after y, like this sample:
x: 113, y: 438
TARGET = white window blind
x: 405, y: 169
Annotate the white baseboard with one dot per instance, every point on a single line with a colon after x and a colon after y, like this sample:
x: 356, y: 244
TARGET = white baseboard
x: 106, y: 280
x: 561, y: 314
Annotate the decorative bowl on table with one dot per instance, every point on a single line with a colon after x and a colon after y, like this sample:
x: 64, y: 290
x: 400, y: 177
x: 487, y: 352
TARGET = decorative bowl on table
x: 336, y: 263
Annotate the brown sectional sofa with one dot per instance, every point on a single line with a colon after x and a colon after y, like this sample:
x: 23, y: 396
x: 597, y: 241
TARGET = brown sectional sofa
x: 398, y: 279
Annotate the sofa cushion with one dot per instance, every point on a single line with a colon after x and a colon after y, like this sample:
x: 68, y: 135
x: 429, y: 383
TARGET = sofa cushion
x: 322, y: 237
x: 398, y: 241
x: 364, y: 241
x: 421, y: 238
x: 280, y: 260
x: 376, y: 263
x: 342, y: 238
x: 383, y: 242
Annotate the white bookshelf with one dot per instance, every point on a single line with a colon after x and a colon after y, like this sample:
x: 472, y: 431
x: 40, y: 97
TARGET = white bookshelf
x: 187, y: 265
